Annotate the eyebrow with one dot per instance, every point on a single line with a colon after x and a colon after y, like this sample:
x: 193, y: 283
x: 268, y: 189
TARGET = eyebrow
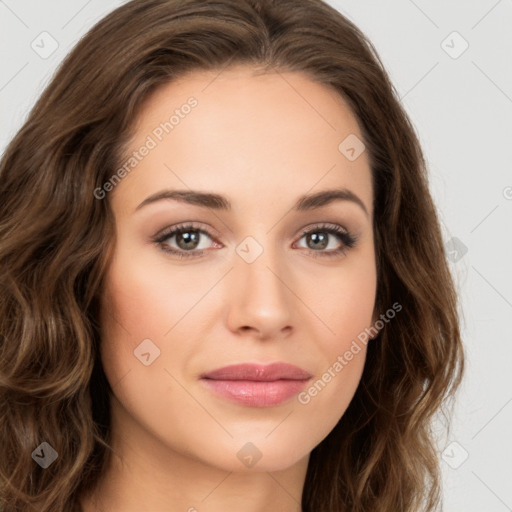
x: 307, y: 202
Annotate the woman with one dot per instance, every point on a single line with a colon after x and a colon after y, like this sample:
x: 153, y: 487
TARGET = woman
x: 224, y: 283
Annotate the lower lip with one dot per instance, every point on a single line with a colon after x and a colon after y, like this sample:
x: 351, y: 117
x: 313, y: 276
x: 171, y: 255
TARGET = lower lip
x: 256, y: 393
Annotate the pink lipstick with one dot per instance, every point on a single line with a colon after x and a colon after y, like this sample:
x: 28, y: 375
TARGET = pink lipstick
x: 257, y: 385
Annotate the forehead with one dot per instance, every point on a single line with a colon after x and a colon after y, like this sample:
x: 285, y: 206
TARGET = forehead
x: 248, y: 98
x: 244, y: 131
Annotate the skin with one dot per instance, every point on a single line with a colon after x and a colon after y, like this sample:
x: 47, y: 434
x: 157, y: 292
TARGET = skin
x: 262, y: 142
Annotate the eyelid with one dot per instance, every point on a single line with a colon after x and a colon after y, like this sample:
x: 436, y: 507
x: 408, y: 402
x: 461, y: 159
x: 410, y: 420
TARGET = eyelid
x: 182, y: 226
x: 323, y: 225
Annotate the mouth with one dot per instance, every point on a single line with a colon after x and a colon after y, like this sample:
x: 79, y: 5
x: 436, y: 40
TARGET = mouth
x: 256, y: 385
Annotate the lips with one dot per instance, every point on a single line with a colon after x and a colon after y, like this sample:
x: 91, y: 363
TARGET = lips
x: 256, y: 385
x: 258, y: 372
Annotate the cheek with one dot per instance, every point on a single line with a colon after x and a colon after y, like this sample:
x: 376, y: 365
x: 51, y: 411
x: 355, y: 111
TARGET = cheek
x: 130, y: 315
x: 344, y: 307
x: 135, y: 316
x: 328, y: 396
x: 145, y: 299
x: 344, y: 304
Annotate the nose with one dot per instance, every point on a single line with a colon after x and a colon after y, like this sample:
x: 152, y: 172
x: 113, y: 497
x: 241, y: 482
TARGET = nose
x: 260, y: 302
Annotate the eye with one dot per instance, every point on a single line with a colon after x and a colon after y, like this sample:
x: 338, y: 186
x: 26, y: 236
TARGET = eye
x: 188, y: 240
x: 184, y: 240
x: 328, y: 240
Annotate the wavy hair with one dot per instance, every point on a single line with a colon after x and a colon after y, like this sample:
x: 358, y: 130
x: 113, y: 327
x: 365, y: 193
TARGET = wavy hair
x: 56, y: 239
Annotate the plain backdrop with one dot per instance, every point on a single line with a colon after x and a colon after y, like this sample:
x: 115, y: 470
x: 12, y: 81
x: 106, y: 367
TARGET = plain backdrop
x: 451, y: 63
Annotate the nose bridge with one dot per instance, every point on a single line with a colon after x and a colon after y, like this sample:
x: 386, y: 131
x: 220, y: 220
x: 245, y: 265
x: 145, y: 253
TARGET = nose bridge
x: 262, y: 276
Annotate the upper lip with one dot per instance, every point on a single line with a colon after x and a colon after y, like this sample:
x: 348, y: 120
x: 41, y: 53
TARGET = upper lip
x: 258, y: 372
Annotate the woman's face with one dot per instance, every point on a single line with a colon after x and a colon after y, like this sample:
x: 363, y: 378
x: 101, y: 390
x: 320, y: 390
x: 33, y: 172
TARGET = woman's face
x: 257, y: 275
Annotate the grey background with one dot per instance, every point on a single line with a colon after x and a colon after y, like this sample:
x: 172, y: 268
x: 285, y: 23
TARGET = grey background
x: 461, y: 105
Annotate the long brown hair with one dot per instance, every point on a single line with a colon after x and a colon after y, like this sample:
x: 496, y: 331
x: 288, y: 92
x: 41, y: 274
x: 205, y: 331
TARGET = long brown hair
x: 56, y: 238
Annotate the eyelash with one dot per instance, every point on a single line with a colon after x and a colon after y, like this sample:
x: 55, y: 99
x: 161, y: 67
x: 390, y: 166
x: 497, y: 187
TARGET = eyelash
x: 348, y: 240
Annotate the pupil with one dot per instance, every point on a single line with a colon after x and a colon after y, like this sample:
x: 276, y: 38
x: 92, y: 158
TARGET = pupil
x: 322, y: 239
x: 187, y: 239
